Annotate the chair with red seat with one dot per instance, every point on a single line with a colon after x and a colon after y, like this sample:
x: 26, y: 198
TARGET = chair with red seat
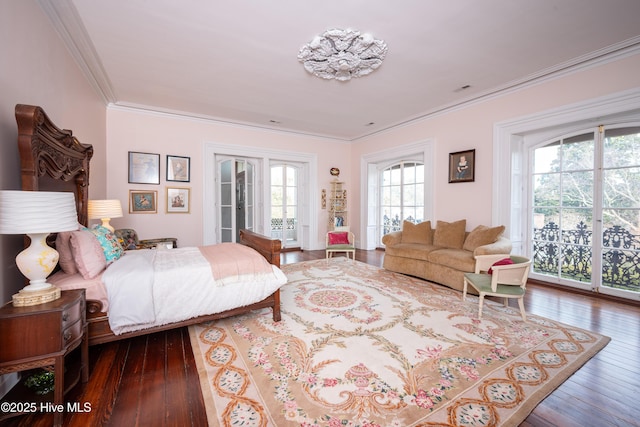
x: 340, y: 240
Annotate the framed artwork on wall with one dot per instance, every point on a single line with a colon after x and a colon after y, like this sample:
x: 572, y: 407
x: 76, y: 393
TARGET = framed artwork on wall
x: 144, y: 168
x: 143, y: 201
x: 178, y: 199
x: 178, y: 168
x: 462, y: 166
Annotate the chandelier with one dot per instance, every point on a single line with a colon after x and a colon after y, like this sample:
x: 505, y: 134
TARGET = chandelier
x: 342, y: 54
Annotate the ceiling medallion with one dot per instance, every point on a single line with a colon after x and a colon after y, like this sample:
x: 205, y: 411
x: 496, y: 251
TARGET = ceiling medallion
x: 342, y: 54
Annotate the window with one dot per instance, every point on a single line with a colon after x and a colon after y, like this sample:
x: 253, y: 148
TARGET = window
x: 401, y: 196
x: 413, y: 197
x: 284, y: 204
x: 516, y: 142
x: 586, y: 210
x: 563, y: 207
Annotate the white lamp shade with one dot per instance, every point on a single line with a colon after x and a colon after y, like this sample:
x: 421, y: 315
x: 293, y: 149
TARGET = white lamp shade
x: 28, y: 212
x: 99, y: 209
x: 37, y: 213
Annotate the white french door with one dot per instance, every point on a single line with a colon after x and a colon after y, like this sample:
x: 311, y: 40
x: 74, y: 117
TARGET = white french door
x: 236, y: 179
x: 285, y: 209
x: 586, y: 210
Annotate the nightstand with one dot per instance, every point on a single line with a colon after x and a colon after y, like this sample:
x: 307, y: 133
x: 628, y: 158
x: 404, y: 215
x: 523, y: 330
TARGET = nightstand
x: 43, y: 335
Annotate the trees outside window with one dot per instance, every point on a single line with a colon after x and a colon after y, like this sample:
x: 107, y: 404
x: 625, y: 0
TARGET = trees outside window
x: 586, y: 208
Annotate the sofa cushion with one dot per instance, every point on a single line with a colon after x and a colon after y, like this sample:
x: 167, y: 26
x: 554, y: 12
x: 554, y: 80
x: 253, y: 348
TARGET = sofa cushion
x: 416, y: 233
x: 482, y: 235
x: 457, y: 259
x: 450, y: 234
x: 417, y: 251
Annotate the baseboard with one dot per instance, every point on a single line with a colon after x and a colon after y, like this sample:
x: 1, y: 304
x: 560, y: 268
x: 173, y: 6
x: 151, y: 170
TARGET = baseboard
x: 584, y: 292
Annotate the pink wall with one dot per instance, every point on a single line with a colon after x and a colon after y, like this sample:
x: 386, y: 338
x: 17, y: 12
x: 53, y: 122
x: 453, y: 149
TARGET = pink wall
x: 37, y: 69
x: 131, y: 130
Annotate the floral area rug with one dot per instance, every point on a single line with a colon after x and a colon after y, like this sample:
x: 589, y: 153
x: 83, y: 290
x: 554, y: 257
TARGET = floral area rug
x: 359, y: 346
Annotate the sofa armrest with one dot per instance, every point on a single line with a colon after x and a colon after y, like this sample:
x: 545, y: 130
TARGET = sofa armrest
x: 392, y: 238
x: 501, y: 246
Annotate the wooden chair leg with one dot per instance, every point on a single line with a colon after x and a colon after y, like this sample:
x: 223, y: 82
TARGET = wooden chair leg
x: 480, y: 303
x: 522, y: 312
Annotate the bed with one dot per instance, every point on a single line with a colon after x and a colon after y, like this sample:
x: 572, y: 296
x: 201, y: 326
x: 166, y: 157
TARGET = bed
x: 52, y: 159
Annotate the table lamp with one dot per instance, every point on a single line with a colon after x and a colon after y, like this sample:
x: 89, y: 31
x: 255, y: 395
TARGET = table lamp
x: 105, y: 210
x: 36, y: 214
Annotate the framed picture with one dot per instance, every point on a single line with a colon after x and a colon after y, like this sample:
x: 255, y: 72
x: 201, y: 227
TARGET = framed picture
x: 178, y: 199
x: 178, y: 168
x: 144, y: 168
x: 143, y: 201
x: 462, y: 166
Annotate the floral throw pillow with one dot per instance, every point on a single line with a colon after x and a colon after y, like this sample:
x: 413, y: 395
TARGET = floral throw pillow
x: 109, y: 243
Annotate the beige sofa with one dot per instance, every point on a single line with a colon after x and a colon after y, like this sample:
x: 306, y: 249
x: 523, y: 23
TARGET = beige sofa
x: 443, y: 254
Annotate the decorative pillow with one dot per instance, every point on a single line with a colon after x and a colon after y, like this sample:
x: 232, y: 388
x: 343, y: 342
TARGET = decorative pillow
x: 128, y: 238
x: 109, y: 242
x: 87, y: 253
x: 340, y: 238
x: 482, y: 235
x: 63, y: 246
x: 450, y: 234
x: 416, y: 233
x: 505, y: 261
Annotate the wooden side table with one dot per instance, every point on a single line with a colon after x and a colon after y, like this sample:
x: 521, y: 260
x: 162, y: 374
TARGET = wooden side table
x: 42, y: 335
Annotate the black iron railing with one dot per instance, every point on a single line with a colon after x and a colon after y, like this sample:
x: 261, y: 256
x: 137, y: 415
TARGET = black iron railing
x: 395, y: 223
x: 569, y: 254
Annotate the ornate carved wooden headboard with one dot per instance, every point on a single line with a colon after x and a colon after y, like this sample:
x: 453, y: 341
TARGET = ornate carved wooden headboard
x: 52, y: 159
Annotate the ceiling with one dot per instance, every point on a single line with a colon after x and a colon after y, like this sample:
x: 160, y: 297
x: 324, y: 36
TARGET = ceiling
x: 236, y: 60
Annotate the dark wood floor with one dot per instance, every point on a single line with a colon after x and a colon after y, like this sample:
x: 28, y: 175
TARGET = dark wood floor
x: 153, y: 381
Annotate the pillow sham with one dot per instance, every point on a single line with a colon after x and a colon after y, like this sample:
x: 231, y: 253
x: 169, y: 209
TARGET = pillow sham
x: 109, y: 243
x: 87, y: 253
x: 63, y: 246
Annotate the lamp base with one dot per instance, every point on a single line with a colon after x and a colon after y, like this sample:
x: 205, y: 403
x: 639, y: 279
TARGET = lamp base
x: 27, y: 298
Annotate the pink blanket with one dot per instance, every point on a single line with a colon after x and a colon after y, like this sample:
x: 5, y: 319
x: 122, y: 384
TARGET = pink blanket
x: 233, y: 260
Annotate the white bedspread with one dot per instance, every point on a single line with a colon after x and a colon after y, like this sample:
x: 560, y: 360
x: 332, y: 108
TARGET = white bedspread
x: 156, y: 287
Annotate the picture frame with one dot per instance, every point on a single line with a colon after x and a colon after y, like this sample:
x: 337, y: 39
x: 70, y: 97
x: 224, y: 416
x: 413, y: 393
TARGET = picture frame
x: 178, y: 199
x: 143, y: 201
x: 144, y: 168
x: 178, y: 168
x: 462, y: 166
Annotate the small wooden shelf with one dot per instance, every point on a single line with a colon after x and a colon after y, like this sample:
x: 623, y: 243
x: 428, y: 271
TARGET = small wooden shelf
x: 337, y: 205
